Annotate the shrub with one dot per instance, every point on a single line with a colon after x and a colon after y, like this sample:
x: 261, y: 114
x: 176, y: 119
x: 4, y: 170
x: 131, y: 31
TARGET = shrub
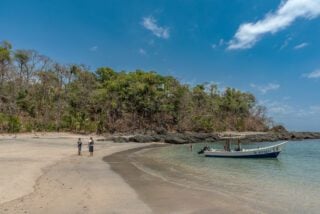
x: 14, y: 124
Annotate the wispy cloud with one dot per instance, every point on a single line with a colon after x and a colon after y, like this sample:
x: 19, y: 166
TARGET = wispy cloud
x: 266, y: 88
x: 281, y: 108
x: 93, y: 48
x: 249, y: 33
x: 151, y: 24
x: 315, y: 109
x: 219, y: 44
x: 294, y: 117
x: 213, y: 46
x: 277, y: 107
x: 312, y: 75
x: 302, y: 45
x: 286, y: 42
x: 142, y: 51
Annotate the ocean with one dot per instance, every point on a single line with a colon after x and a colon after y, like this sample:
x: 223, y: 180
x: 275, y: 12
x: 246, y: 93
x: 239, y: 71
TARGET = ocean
x: 287, y: 184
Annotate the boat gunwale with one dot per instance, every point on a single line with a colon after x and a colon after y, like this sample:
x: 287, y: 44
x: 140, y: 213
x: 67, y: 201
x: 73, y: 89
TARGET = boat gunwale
x: 249, y: 150
x: 264, y: 151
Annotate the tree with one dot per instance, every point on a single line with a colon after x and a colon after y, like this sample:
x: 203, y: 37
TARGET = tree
x: 5, y: 61
x: 39, y: 94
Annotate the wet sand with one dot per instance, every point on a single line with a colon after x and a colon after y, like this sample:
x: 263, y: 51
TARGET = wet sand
x: 163, y: 196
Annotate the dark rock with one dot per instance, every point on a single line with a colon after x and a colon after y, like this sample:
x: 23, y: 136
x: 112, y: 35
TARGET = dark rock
x: 158, y: 138
x: 192, y: 137
x: 175, y: 139
x: 161, y: 131
x: 279, y: 129
x: 202, y: 136
x: 142, y: 139
x: 120, y: 139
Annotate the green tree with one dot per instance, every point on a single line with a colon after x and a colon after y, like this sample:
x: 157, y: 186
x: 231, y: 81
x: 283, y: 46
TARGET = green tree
x: 5, y: 61
x: 39, y: 94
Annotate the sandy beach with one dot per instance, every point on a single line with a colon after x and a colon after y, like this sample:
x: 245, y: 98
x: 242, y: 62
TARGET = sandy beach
x: 43, y: 174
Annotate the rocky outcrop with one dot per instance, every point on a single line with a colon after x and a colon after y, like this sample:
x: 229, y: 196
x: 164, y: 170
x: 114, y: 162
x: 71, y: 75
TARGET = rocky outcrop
x: 275, y: 136
x: 184, y: 138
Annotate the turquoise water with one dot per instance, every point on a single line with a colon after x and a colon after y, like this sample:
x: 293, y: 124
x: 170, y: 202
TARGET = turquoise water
x: 290, y: 183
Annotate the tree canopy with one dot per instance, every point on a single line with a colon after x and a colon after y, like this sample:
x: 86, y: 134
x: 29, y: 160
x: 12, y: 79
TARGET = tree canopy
x: 39, y: 94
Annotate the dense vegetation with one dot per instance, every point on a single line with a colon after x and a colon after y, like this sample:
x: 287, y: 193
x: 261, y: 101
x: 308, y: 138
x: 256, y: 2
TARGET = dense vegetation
x: 41, y: 95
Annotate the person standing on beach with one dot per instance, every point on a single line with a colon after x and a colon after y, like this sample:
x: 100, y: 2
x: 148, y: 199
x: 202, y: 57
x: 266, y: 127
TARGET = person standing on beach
x: 79, y: 146
x: 90, y: 144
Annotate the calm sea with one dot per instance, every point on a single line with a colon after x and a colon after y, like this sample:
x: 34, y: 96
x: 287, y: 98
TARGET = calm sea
x: 290, y: 183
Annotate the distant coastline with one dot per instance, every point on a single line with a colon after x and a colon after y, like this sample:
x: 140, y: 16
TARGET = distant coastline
x: 193, y: 137
x: 181, y: 138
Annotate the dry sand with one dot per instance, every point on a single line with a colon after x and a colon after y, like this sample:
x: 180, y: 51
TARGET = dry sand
x: 43, y: 174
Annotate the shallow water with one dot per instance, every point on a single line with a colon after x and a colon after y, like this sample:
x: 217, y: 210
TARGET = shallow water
x: 288, y: 184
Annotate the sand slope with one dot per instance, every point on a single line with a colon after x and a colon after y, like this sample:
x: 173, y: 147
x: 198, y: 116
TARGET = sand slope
x: 44, y: 175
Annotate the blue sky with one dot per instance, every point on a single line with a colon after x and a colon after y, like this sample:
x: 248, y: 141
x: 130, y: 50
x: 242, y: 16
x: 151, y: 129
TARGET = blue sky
x: 269, y: 48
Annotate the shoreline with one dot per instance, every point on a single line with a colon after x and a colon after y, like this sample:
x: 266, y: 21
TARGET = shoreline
x: 172, y: 137
x: 163, y: 196
x: 169, y: 188
x: 195, y: 137
x: 114, y: 179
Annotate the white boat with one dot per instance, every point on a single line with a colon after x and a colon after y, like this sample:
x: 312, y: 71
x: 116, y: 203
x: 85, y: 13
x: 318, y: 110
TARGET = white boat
x: 263, y: 152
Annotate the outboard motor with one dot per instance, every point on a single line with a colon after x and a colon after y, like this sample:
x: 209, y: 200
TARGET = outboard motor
x: 203, y: 150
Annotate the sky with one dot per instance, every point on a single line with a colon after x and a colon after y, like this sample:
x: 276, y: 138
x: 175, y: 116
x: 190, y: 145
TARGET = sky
x: 268, y: 48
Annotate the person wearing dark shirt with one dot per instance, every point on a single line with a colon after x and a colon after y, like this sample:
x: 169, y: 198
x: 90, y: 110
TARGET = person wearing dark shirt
x: 79, y: 146
x: 90, y: 144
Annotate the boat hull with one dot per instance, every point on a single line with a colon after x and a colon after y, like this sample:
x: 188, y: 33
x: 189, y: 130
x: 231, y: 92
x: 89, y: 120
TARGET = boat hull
x: 266, y: 155
x: 265, y: 152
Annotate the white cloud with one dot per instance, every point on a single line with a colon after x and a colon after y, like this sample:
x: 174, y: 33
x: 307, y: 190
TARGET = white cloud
x: 142, y: 51
x: 249, y: 33
x: 313, y: 75
x: 151, y: 24
x: 94, y: 48
x: 302, y: 45
x: 266, y: 88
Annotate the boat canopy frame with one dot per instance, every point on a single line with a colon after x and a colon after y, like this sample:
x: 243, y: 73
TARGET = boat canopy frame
x: 228, y: 142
